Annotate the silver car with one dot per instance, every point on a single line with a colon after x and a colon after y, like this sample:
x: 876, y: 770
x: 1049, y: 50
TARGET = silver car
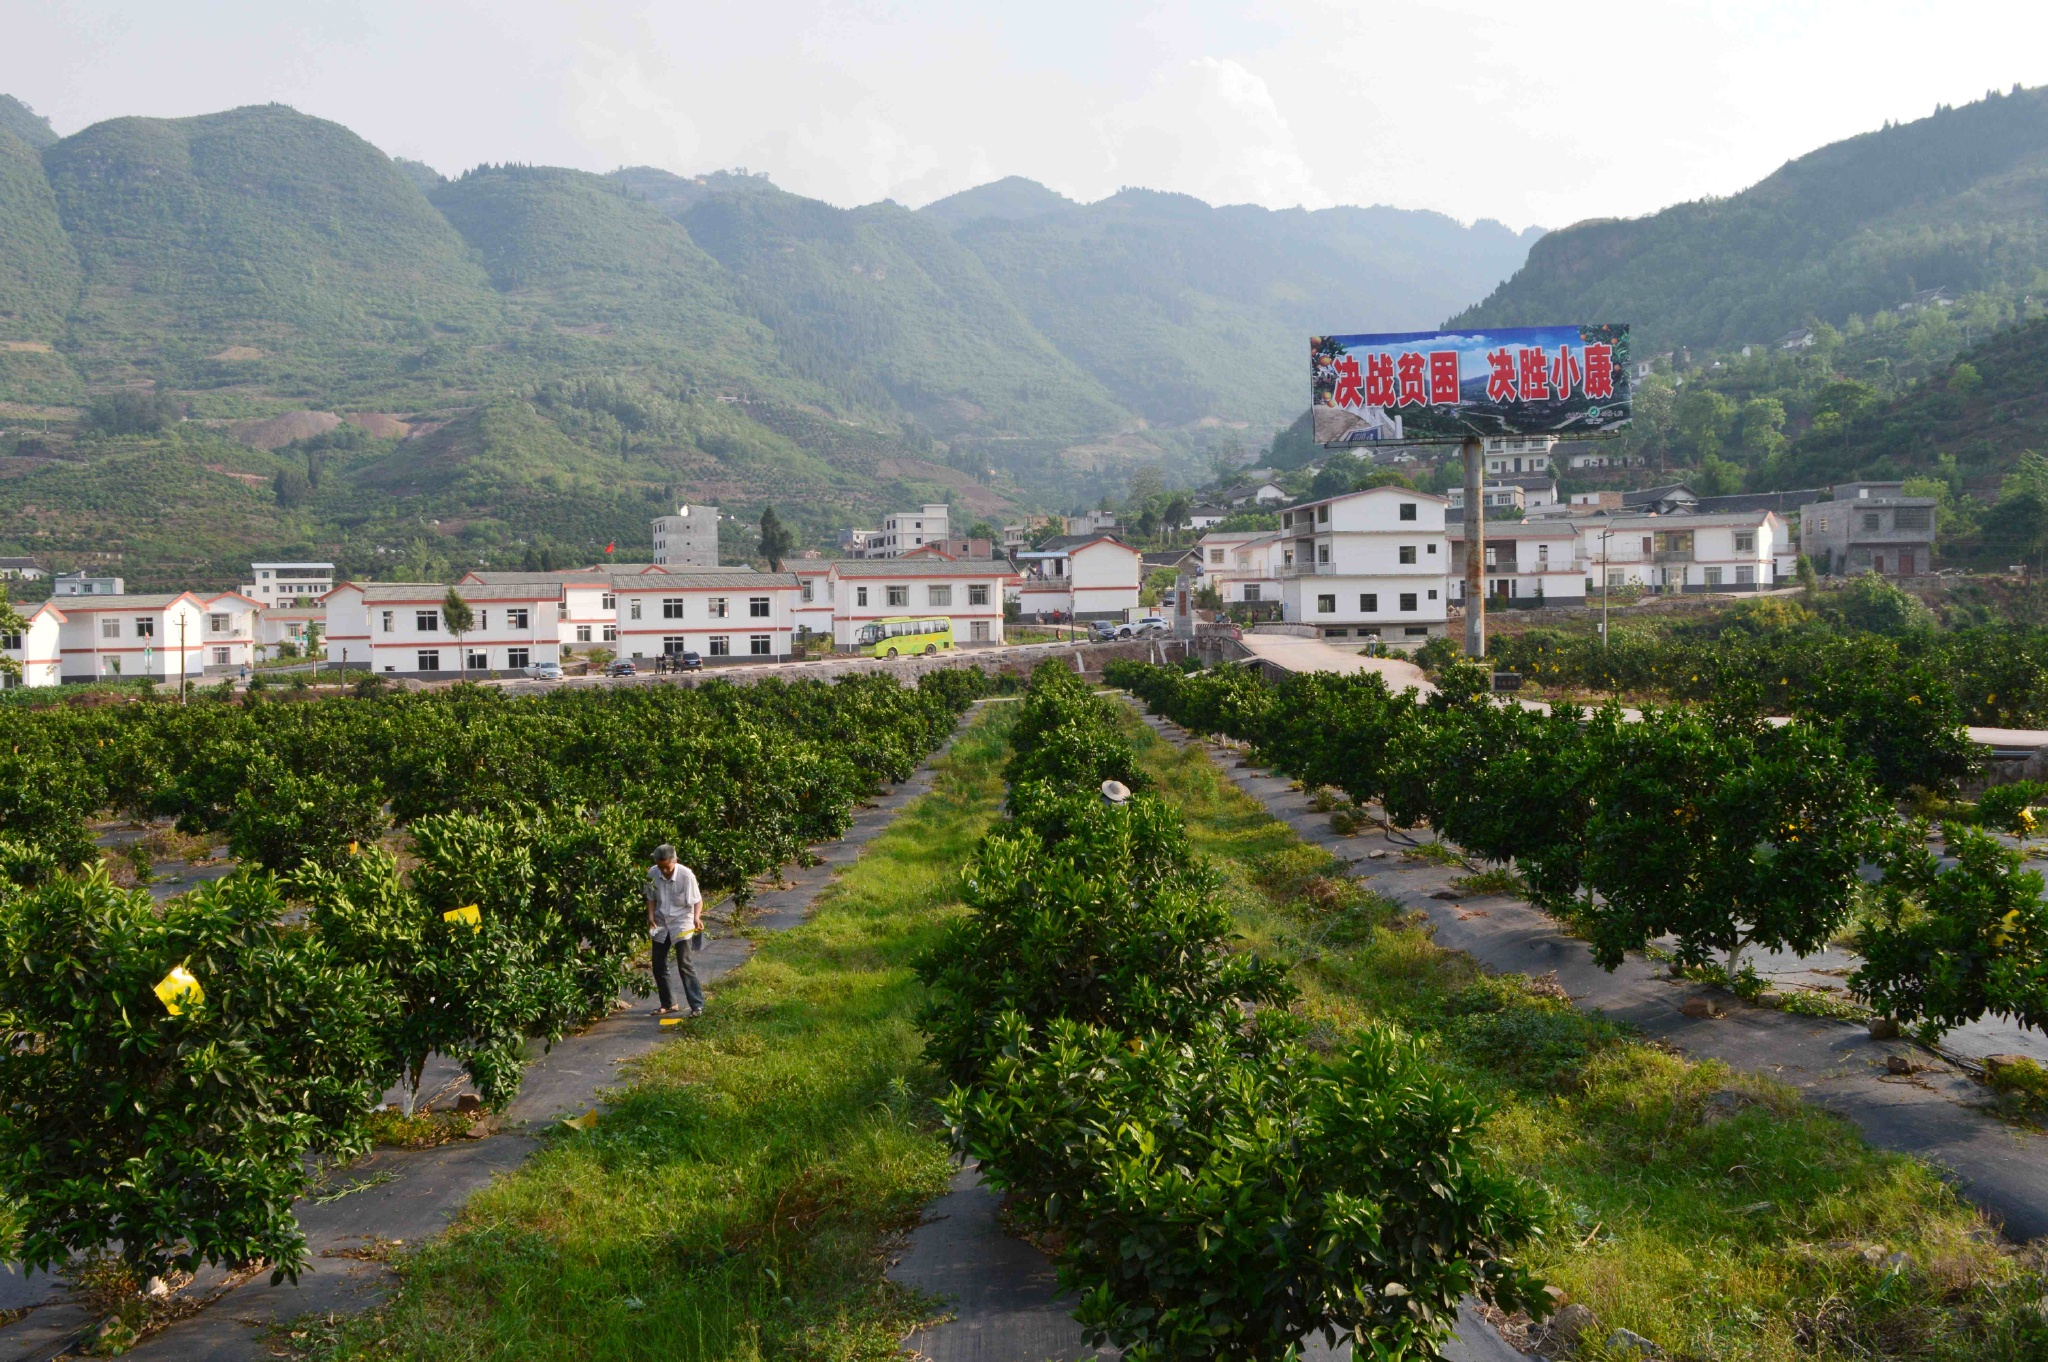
x: 544, y: 671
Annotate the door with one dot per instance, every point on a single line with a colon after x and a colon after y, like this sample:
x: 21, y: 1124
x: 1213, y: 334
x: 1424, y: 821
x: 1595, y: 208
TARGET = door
x: 1905, y: 563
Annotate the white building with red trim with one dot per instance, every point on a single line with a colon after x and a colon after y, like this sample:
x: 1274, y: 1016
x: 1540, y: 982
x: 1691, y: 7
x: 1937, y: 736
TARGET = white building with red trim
x: 106, y: 637
x: 969, y: 592
x: 399, y: 628
x: 37, y: 650
x: 726, y: 615
x: 1090, y: 577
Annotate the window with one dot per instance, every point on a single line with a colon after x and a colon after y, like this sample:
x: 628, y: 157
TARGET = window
x: 757, y: 607
x: 1713, y: 576
x: 1617, y: 579
x: 217, y: 623
x: 389, y: 624
x: 938, y: 595
x: 806, y: 589
x: 1822, y: 526
x: 561, y: 612
x: 673, y: 644
x: 517, y: 657
x: 899, y: 595
x: 1216, y: 556
x: 1492, y: 556
x: 1745, y: 541
x: 480, y: 661
x: 1646, y: 546
x: 10, y: 641
x: 517, y: 619
x: 977, y: 594
x: 1543, y: 554
x: 720, y: 607
x: 427, y: 622
x: 1432, y: 548
x: 583, y: 633
x: 611, y: 633
x: 860, y: 595
x: 978, y: 630
x: 608, y: 602
x: 1323, y: 554
x: 1432, y: 593
x: 1369, y: 602
x: 671, y: 607
x: 1871, y: 520
x: 1251, y: 591
x: 1407, y: 510
x: 633, y: 610
x: 145, y: 628
x: 1416, y: 630
x: 110, y: 628
x: 757, y: 645
x: 1912, y: 517
x: 430, y: 660
x: 1745, y: 575
x: 1407, y: 600
x: 1322, y: 515
x: 1326, y: 605
x: 721, y: 645
x: 220, y: 657
x: 483, y: 621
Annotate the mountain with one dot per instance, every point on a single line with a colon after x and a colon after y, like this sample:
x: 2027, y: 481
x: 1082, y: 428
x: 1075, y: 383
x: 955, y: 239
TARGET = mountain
x: 1958, y: 200
x: 25, y: 123
x: 262, y: 248
x: 39, y: 279
x: 1183, y: 311
x: 451, y: 369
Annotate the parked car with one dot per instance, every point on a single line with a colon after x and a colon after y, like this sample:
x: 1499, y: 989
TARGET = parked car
x: 544, y: 671
x: 622, y: 667
x: 1152, y: 626
x: 1101, y: 631
x: 689, y: 662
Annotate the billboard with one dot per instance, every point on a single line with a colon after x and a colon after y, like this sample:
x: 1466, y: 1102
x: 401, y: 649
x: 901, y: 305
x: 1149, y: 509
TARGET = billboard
x: 1439, y: 386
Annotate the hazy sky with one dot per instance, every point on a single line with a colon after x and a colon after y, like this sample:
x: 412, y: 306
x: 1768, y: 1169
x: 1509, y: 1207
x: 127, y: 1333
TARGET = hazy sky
x: 1524, y: 110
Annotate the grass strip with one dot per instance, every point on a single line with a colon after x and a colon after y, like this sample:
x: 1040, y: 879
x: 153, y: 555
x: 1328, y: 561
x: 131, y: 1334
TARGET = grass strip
x: 1712, y: 1212
x: 737, y: 1199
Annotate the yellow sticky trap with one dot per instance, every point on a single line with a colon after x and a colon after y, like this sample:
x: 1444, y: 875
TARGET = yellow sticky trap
x: 466, y: 913
x: 179, y: 990
x: 354, y: 847
x: 671, y: 1021
x: 583, y: 1122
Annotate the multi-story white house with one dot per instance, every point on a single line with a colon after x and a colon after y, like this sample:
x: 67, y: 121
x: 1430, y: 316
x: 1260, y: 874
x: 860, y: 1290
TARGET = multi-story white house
x: 1241, y: 566
x: 1370, y: 564
x: 1528, y: 563
x: 586, y: 612
x: 398, y: 628
x: 232, y: 624
x: 286, y: 583
x: 1507, y: 455
x: 37, y: 650
x: 969, y: 592
x: 906, y: 530
x: 1730, y: 551
x: 723, y: 616
x: 1090, y: 577
x: 161, y: 636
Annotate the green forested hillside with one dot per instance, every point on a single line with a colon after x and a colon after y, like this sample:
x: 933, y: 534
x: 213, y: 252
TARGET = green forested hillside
x: 259, y: 247
x: 25, y: 123
x: 38, y: 279
x: 1958, y: 200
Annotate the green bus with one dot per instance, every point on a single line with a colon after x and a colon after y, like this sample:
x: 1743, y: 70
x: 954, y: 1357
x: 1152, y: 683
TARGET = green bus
x: 907, y: 634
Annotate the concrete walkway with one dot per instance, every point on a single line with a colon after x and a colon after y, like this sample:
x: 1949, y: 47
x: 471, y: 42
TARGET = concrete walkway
x: 407, y: 1196
x: 1929, y: 1113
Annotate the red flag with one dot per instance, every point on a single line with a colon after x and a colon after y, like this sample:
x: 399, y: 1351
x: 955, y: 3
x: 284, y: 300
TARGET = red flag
x: 609, y: 547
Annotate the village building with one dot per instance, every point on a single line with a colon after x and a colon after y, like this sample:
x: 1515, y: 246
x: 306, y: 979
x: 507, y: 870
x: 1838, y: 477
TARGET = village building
x: 37, y: 650
x: 1870, y: 527
x: 1084, y: 577
x: 1367, y: 564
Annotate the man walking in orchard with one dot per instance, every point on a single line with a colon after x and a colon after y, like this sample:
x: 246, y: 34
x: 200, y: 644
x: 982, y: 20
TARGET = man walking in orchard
x: 675, y: 914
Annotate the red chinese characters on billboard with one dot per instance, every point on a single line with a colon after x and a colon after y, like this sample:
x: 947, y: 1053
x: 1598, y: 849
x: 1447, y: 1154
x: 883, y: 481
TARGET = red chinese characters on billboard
x: 1445, y: 385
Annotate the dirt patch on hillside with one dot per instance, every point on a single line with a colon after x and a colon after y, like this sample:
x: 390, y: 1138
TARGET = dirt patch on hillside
x: 381, y: 425
x: 26, y: 347
x: 276, y: 431
x: 236, y: 354
x: 252, y: 479
x: 966, y: 491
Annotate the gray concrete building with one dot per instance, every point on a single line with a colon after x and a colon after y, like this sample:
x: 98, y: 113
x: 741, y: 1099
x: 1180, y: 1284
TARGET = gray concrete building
x: 1869, y: 527
x: 689, y: 538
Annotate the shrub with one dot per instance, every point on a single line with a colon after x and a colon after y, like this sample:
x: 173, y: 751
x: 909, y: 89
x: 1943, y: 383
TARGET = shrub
x: 2006, y: 807
x: 181, y: 1135
x: 284, y: 820
x: 130, y: 412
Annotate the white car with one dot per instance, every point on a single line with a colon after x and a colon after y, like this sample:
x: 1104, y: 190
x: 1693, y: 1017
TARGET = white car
x: 1152, y: 626
x: 544, y: 671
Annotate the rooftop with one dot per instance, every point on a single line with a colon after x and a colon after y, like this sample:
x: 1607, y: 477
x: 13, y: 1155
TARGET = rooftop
x: 733, y: 579
x: 925, y: 567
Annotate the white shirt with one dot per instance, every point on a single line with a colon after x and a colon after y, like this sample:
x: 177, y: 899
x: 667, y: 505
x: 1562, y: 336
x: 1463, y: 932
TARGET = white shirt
x: 675, y: 900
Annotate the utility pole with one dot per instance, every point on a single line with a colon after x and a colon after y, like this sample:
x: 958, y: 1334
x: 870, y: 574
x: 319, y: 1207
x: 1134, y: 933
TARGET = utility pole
x: 181, y: 657
x: 1475, y: 550
x: 1605, y: 535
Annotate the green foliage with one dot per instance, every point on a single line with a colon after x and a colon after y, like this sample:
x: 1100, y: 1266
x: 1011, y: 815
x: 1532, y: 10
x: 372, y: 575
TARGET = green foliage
x: 776, y: 540
x: 180, y: 1135
x: 133, y: 413
x: 1951, y: 944
x: 1068, y: 737
x: 2005, y: 807
x: 283, y: 819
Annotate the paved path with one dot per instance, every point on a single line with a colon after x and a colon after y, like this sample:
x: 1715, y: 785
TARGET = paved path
x: 1928, y: 1114
x: 425, y: 1188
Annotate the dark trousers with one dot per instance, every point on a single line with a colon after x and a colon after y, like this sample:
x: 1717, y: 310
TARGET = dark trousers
x: 693, y: 992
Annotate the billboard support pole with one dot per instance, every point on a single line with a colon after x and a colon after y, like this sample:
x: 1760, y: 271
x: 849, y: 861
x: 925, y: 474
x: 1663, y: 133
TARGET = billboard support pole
x: 1475, y: 550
